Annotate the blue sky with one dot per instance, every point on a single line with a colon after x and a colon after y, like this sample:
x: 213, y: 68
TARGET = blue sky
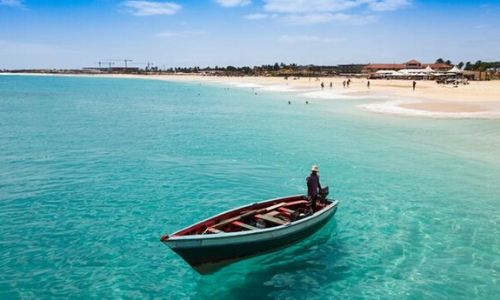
x: 74, y: 34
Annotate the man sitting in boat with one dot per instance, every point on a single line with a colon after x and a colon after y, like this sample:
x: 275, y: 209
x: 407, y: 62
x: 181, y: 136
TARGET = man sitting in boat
x: 313, y: 187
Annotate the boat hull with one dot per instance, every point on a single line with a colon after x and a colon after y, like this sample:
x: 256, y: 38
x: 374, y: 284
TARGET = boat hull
x: 207, y: 253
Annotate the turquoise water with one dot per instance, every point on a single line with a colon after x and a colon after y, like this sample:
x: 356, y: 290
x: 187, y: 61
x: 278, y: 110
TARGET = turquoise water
x: 94, y: 170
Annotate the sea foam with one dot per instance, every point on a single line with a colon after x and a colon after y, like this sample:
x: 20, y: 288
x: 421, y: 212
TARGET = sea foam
x: 394, y: 107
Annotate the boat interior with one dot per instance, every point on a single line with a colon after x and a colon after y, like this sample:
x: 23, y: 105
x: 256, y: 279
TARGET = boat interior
x: 264, y: 215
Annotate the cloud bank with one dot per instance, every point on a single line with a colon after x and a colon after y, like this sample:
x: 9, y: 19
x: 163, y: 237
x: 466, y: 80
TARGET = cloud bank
x: 150, y: 8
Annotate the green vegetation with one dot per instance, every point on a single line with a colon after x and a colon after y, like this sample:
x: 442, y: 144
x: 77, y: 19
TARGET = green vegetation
x: 480, y: 66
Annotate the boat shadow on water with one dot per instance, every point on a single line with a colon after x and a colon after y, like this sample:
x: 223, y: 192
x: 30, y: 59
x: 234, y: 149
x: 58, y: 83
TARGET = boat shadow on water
x: 304, y: 267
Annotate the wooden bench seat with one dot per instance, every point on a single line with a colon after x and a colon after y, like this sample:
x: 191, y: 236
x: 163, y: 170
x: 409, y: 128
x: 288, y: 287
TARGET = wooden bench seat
x: 244, y: 225
x: 286, y: 211
x: 268, y: 210
x: 271, y: 219
x: 296, y: 202
x: 237, y: 218
x: 272, y: 213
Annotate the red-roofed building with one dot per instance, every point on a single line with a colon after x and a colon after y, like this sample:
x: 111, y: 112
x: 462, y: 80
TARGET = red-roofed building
x: 412, y: 64
x: 440, y: 67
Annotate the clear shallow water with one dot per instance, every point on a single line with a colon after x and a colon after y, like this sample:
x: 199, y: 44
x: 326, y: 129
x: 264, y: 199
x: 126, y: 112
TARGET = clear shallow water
x: 94, y: 170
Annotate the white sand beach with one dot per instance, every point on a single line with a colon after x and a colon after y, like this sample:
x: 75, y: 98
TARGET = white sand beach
x: 476, y: 98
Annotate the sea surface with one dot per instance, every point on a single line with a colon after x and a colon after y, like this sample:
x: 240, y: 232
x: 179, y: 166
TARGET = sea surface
x: 94, y: 170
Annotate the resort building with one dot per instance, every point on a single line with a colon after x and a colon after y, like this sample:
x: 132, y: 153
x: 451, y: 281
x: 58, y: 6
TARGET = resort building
x: 350, y: 69
x: 411, y: 65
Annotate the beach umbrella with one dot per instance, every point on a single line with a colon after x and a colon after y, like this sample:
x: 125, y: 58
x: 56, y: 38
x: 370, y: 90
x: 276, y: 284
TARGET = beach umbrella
x: 389, y: 72
x: 428, y: 69
x: 455, y: 70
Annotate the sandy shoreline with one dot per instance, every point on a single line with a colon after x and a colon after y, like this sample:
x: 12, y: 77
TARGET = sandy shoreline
x: 478, y: 99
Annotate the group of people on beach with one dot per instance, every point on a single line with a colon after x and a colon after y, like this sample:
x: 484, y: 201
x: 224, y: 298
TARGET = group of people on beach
x: 347, y: 82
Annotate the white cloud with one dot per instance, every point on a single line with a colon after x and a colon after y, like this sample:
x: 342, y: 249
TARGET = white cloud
x: 256, y: 16
x: 307, y: 6
x: 150, y: 8
x: 308, y: 39
x: 301, y: 12
x: 233, y: 3
x: 317, y: 18
x: 313, y: 18
x: 168, y: 34
x: 13, y: 3
x: 324, y: 6
x: 386, y: 5
x: 481, y: 26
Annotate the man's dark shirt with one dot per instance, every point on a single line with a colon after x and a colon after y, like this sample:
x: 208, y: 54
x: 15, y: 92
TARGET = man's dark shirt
x: 312, y: 185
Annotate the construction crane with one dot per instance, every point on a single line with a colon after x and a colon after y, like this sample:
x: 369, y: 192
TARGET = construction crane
x: 100, y: 63
x: 126, y: 63
x: 110, y: 63
x: 126, y: 60
x: 121, y: 59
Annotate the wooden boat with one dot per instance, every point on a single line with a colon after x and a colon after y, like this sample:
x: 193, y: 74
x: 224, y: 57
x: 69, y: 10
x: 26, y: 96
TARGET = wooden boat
x: 249, y: 230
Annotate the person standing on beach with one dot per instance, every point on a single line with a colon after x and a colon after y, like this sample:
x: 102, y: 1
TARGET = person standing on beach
x: 414, y: 84
x: 368, y: 84
x: 313, y: 186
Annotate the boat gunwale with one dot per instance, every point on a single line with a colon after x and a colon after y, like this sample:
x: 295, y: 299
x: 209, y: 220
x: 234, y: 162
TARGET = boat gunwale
x: 239, y: 208
x: 193, y: 237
